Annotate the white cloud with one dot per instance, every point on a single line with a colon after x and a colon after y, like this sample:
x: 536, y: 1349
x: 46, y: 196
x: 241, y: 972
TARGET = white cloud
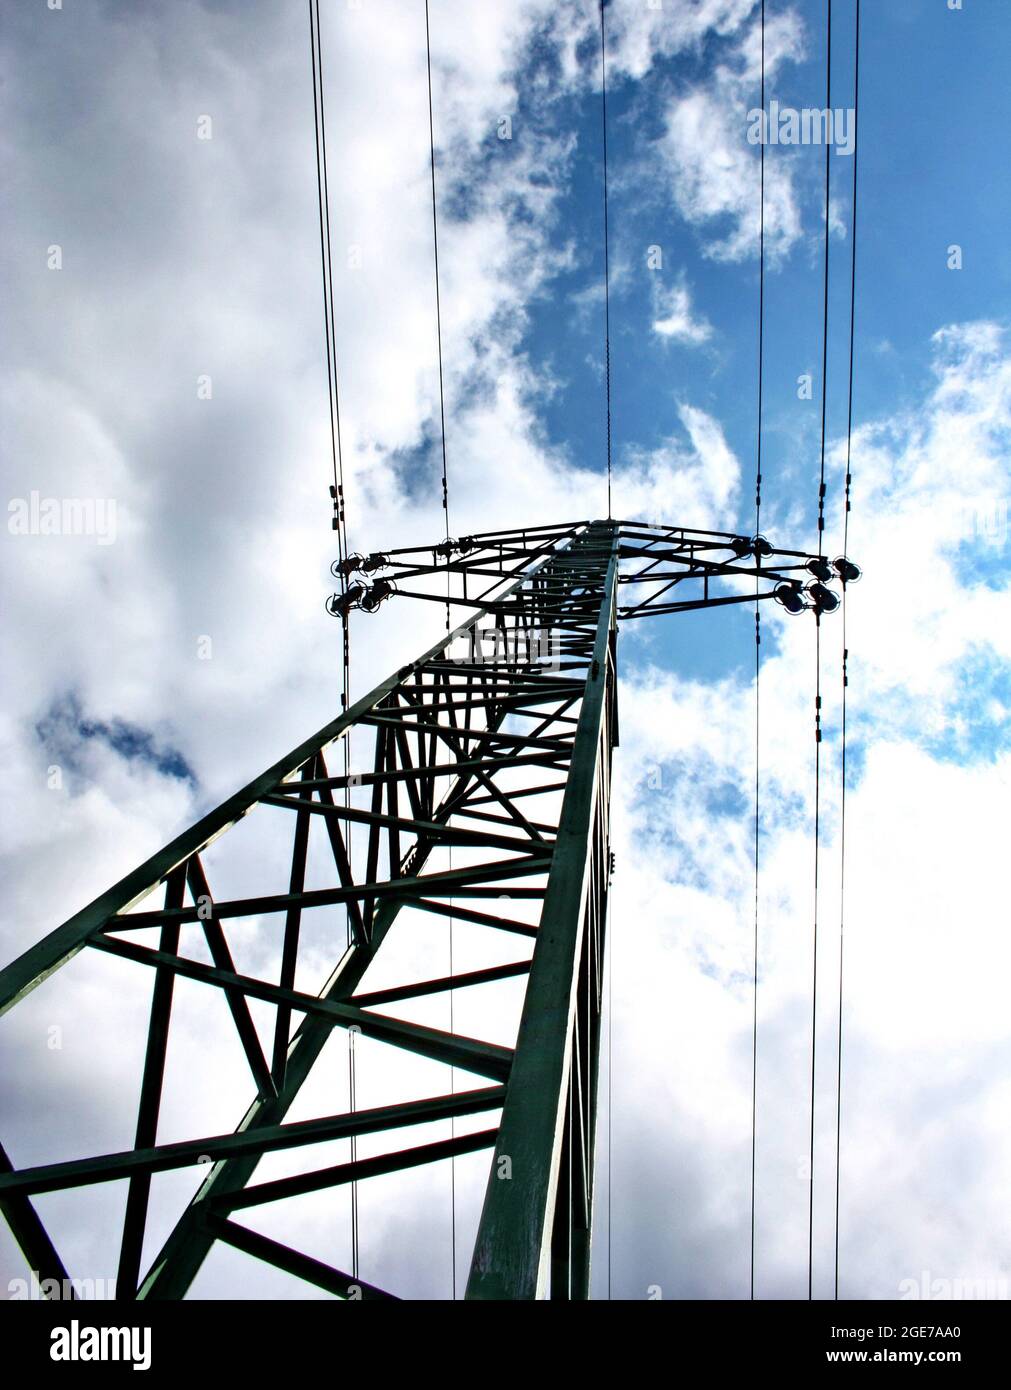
x: 675, y: 319
x: 674, y: 481
x: 639, y: 34
x: 926, y: 949
x: 713, y: 172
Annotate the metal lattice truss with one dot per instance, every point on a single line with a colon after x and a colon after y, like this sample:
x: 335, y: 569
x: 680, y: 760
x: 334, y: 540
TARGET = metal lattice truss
x: 486, y: 803
x: 716, y: 568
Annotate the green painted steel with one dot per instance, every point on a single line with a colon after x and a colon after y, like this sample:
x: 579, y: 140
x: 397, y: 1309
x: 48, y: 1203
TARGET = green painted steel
x: 54, y: 950
x: 512, y: 1256
x: 460, y: 744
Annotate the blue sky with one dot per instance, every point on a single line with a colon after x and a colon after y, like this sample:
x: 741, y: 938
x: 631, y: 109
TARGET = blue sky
x: 924, y: 186
x: 163, y: 670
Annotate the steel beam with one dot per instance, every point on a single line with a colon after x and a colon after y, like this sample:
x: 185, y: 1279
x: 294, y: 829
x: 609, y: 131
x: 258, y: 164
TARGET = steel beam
x: 459, y: 742
x: 513, y: 1249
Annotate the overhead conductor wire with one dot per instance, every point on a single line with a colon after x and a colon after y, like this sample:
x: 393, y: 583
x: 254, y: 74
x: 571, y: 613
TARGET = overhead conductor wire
x: 607, y: 377
x: 845, y: 657
x: 438, y: 301
x: 339, y: 522
x: 817, y: 698
x: 758, y: 658
x: 607, y: 266
x: 445, y: 508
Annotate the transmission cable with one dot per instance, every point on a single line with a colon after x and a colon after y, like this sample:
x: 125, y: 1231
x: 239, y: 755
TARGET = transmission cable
x: 607, y: 267
x: 818, y: 669
x: 845, y: 656
x: 610, y: 1094
x: 607, y: 378
x: 339, y: 520
x: 438, y: 299
x: 824, y: 349
x: 323, y: 191
x: 758, y: 656
x: 445, y: 509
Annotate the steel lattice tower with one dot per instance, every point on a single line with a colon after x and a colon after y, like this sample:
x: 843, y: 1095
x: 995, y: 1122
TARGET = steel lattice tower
x: 496, y: 744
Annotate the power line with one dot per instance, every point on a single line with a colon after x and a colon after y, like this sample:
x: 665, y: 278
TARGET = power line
x: 845, y: 659
x: 339, y: 522
x: 817, y: 700
x: 814, y: 947
x: 607, y: 266
x: 445, y: 508
x: 452, y: 1091
x: 824, y: 350
x: 607, y: 378
x: 352, y: 1106
x: 322, y: 188
x: 438, y: 307
x: 438, y: 301
x: 326, y: 256
x: 758, y: 658
x: 610, y: 1091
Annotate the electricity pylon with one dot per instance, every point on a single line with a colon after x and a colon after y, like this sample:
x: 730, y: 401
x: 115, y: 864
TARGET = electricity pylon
x: 495, y: 744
